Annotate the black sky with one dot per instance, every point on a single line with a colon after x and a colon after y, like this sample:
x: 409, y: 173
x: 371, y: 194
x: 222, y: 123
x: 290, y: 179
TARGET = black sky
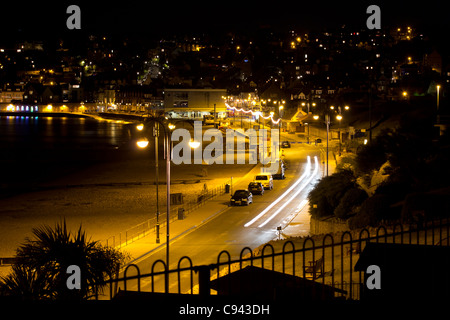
x: 43, y: 19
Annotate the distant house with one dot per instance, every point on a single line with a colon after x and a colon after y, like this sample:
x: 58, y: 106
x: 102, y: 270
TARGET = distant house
x: 433, y: 60
x: 52, y: 94
x: 33, y: 93
x: 298, y: 95
x: 408, y: 272
x: 273, y: 92
x: 11, y: 94
x: 266, y: 284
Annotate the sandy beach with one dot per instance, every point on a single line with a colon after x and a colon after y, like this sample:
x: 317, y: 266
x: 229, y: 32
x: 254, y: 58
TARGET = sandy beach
x: 105, y: 198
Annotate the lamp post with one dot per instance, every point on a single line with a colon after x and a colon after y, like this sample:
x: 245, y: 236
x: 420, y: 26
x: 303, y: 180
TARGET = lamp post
x: 156, y: 134
x: 143, y: 143
x: 327, y: 122
x: 437, y: 104
x: 309, y: 104
x: 339, y: 117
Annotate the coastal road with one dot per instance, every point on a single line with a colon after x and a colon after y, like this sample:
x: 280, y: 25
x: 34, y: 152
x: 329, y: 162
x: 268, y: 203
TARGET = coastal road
x: 243, y: 226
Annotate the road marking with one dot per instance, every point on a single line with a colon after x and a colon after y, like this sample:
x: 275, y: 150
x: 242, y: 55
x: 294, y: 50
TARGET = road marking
x: 305, y: 174
x: 316, y: 170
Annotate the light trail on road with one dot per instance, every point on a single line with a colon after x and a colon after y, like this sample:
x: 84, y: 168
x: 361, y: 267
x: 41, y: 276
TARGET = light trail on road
x: 316, y: 170
x: 305, y: 174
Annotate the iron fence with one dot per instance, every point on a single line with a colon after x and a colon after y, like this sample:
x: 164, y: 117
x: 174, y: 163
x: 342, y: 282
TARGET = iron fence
x: 142, y: 229
x: 328, y: 260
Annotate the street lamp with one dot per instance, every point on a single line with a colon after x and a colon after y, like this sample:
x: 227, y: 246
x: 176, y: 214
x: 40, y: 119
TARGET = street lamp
x: 327, y: 122
x: 437, y: 104
x: 194, y: 144
x: 308, y: 104
x: 143, y: 143
x: 339, y: 118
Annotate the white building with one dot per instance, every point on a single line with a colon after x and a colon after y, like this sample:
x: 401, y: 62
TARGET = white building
x: 194, y: 103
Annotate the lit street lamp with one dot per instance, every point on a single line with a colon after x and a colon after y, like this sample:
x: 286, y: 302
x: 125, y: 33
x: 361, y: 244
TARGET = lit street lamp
x: 143, y: 143
x: 194, y: 144
x: 339, y: 118
x: 327, y: 122
x: 437, y: 104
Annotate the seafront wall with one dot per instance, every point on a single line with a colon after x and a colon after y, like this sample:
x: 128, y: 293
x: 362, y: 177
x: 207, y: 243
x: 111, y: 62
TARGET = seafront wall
x: 327, y: 225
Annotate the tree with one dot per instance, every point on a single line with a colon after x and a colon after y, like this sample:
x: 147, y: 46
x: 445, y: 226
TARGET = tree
x: 40, y: 271
x: 351, y: 200
x: 371, y: 156
x: 328, y: 193
x: 372, y: 211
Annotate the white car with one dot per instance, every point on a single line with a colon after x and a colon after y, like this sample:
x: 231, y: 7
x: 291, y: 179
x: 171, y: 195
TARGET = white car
x: 266, y: 180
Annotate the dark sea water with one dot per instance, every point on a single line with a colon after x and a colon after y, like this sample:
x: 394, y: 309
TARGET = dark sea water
x: 38, y: 149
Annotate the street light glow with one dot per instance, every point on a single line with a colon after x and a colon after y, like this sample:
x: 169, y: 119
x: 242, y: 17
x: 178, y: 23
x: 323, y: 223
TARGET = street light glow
x: 142, y: 143
x: 194, y: 144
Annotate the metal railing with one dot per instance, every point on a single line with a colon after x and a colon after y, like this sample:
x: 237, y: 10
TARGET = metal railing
x: 339, y: 253
x: 142, y: 229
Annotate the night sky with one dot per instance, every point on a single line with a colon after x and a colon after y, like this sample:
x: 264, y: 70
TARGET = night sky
x: 39, y: 19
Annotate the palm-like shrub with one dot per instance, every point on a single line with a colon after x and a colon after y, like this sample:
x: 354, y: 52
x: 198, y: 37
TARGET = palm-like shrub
x: 40, y: 271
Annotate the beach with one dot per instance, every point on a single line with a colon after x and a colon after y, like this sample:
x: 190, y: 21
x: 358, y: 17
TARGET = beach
x: 105, y: 198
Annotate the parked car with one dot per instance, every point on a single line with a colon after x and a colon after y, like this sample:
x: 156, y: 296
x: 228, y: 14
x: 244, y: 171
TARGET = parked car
x: 241, y: 197
x: 256, y: 188
x: 285, y: 144
x: 266, y: 180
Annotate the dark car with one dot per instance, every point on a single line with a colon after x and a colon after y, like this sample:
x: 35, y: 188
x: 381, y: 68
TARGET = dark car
x: 285, y: 144
x: 256, y: 188
x: 241, y: 197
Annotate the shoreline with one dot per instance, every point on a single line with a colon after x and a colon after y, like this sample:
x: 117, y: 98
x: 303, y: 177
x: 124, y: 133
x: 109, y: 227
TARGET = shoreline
x: 106, y: 193
x: 105, y: 199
